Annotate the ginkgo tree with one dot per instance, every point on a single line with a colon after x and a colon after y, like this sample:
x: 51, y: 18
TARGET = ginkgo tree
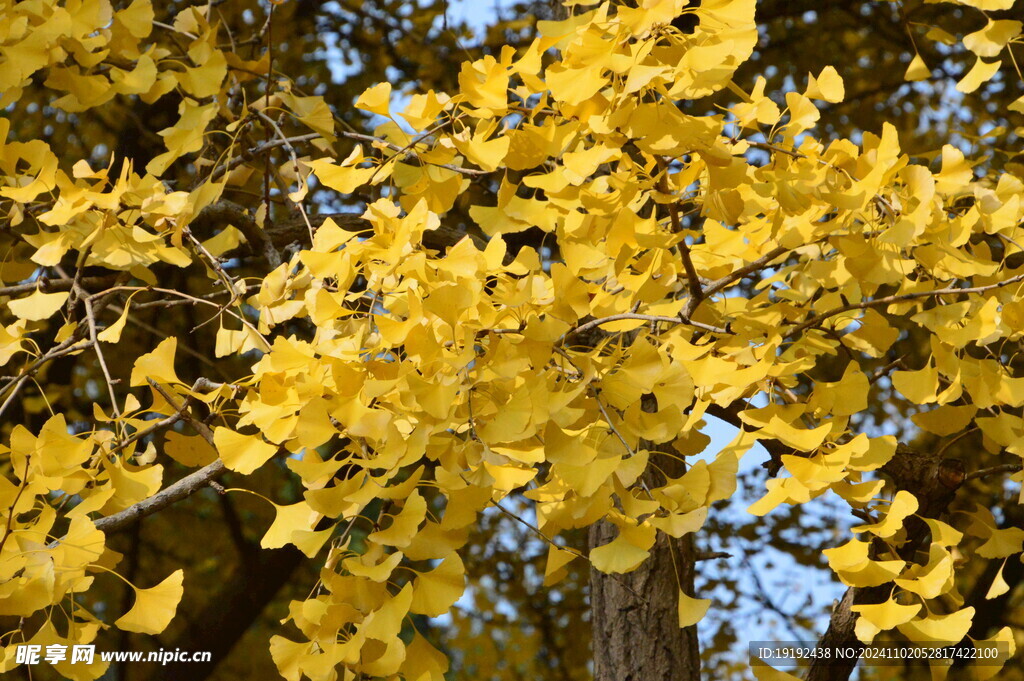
x: 559, y: 273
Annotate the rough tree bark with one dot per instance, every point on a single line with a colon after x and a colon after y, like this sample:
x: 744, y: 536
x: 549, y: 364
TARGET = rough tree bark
x: 635, y: 616
x: 636, y: 634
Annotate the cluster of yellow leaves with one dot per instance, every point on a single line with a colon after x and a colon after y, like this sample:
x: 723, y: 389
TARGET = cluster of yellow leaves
x: 47, y: 559
x: 987, y: 43
x: 438, y: 384
x: 472, y: 360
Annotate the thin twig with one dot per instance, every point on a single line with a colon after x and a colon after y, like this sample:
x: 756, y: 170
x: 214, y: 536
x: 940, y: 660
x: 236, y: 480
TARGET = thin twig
x: 248, y: 155
x: 881, y: 371
x: 90, y: 316
x: 48, y: 285
x: 73, y: 344
x: 994, y: 470
x: 737, y: 274
x: 567, y: 549
x: 14, y: 504
x: 200, y: 384
x: 295, y: 165
x: 611, y: 425
x: 408, y: 152
x: 711, y: 555
x: 199, y: 426
x: 696, y: 291
x: 138, y: 435
x: 643, y: 318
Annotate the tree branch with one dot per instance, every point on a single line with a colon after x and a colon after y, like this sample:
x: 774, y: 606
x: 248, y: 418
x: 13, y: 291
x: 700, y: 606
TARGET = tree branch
x: 183, y: 488
x: 899, y: 298
x: 994, y: 470
x: 583, y: 328
x: 260, y: 149
x: 408, y: 152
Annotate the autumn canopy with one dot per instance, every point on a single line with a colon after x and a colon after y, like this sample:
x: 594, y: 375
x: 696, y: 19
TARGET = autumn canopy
x: 263, y: 344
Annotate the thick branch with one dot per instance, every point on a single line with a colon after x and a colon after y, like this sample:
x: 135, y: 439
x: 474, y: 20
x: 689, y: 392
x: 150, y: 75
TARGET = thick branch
x: 47, y: 285
x: 994, y: 470
x: 185, y: 487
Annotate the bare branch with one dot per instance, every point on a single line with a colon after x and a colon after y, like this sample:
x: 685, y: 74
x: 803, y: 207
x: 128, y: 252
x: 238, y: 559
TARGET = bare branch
x: 643, y: 318
x: 260, y: 149
x: 185, y: 487
x: 408, y: 152
x: 47, y: 285
x: 737, y: 274
x: 994, y: 470
x: 90, y: 316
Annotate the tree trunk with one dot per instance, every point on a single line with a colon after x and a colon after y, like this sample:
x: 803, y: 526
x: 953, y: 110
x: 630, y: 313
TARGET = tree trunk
x: 635, y: 616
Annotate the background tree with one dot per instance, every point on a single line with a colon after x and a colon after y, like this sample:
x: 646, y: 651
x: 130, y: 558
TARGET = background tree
x: 241, y: 308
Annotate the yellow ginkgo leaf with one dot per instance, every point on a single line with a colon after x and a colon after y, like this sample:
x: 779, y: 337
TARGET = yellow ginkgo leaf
x: 943, y: 533
x: 828, y: 86
x: 981, y: 72
x: 887, y: 615
x: 437, y: 590
x: 775, y: 495
x: 377, y: 573
x: 928, y: 581
x: 679, y: 524
x: 554, y: 568
x: 137, y: 18
x: 289, y: 656
x: 939, y: 628
x: 157, y: 365
x: 290, y: 518
x: 919, y: 386
x: 384, y: 623
x: 404, y: 525
x: 999, y: 585
x: 996, y: 651
x: 423, y: 661
x: 798, y: 438
x: 626, y: 552
x: 112, y: 334
x: 37, y: 306
x: 903, y: 504
x: 376, y: 99
x: 852, y: 565
x: 692, y: 610
x: 344, y: 179
x: 154, y: 608
x: 917, y: 69
x: 241, y: 453
x: 765, y: 672
x: 1002, y: 543
x: 189, y: 450
x: 990, y: 40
